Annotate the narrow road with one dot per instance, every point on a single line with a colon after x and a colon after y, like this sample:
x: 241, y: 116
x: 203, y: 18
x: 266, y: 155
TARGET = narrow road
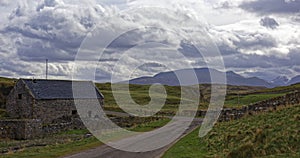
x: 105, y: 151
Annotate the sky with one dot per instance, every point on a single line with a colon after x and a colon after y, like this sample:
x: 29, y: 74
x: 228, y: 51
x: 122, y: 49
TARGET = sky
x: 254, y: 37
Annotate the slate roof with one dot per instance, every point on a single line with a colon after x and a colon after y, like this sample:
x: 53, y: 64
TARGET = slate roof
x: 62, y: 89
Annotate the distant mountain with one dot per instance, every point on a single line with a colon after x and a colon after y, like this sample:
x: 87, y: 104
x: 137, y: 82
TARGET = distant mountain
x: 294, y: 80
x: 280, y: 81
x: 203, y: 76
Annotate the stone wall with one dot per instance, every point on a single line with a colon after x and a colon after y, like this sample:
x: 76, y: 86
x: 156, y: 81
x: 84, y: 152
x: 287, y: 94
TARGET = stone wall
x: 51, y: 110
x: 263, y: 106
x: 20, y: 102
x: 20, y: 129
x: 62, y: 124
x: 228, y: 114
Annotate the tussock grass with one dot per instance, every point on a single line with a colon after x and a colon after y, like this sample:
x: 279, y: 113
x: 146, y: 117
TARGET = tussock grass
x: 266, y: 135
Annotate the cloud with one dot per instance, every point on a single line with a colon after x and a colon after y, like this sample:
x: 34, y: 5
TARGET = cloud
x: 39, y: 30
x: 235, y: 42
x: 4, y: 2
x: 266, y: 7
x: 54, y: 29
x: 224, y: 5
x: 254, y: 61
x: 294, y: 56
x: 270, y: 73
x: 256, y: 51
x: 48, y: 3
x: 152, y: 67
x: 255, y: 41
x: 269, y: 23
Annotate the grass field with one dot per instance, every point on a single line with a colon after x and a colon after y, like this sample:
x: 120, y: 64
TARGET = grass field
x: 275, y: 134
x: 238, y: 101
x: 139, y: 93
x: 283, y: 89
x: 236, y: 96
x: 56, y: 150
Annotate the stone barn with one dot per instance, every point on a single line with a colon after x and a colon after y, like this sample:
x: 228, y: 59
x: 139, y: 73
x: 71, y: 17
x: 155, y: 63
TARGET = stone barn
x: 50, y: 102
x: 47, y: 100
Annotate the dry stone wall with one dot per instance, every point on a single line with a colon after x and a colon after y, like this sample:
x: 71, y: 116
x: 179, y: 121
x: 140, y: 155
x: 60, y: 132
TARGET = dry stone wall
x: 263, y: 106
x: 20, y: 129
x: 228, y: 114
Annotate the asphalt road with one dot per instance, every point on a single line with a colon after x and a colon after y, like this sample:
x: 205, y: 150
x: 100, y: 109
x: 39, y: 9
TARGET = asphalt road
x: 105, y: 151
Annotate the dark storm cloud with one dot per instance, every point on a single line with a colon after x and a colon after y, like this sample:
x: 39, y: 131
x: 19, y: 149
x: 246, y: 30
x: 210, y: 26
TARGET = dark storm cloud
x: 269, y: 23
x: 266, y: 7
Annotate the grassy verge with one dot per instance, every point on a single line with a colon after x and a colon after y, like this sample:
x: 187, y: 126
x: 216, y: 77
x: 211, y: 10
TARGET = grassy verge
x: 61, y: 143
x: 150, y: 126
x: 58, y: 150
x: 275, y: 134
